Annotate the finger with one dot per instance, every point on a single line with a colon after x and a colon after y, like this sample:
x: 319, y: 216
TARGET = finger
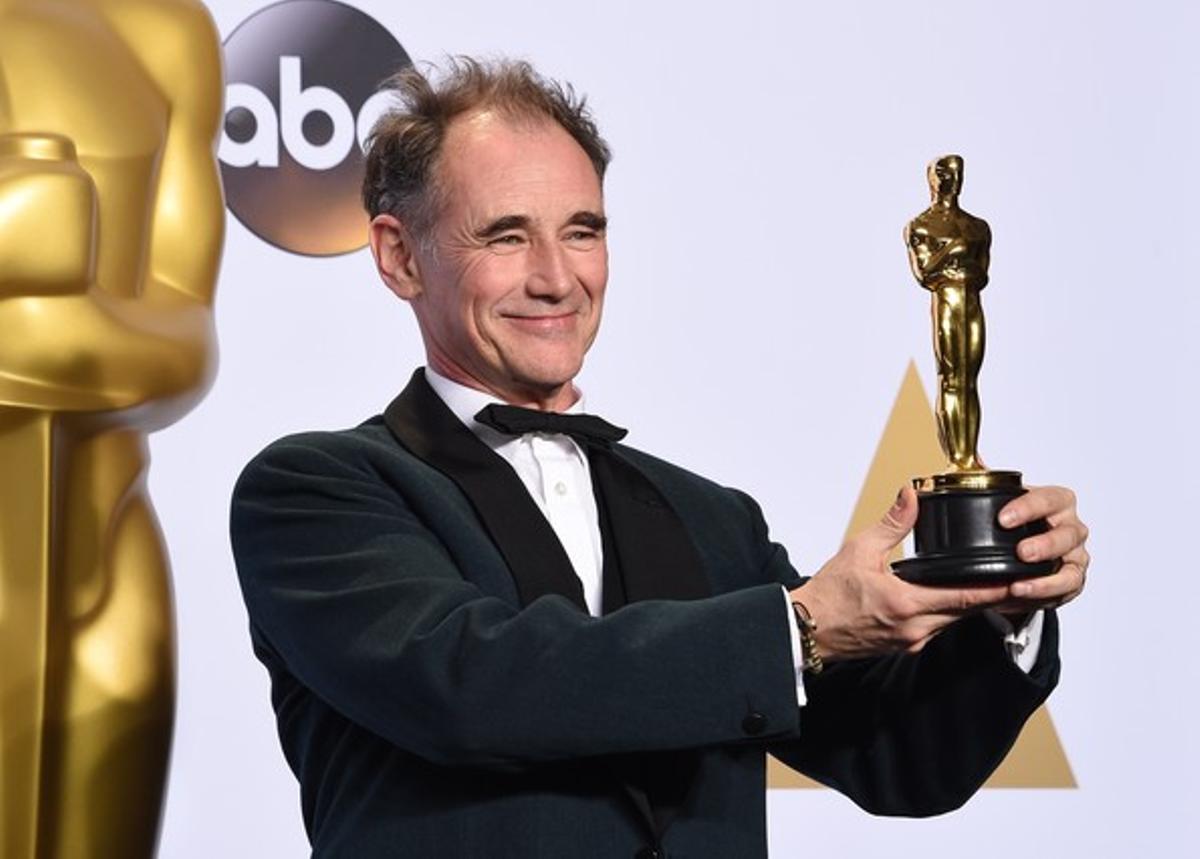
x: 1055, y: 543
x: 1062, y: 586
x: 919, y: 645
x: 957, y: 601
x: 1040, y: 502
x: 896, y: 523
x: 1067, y: 585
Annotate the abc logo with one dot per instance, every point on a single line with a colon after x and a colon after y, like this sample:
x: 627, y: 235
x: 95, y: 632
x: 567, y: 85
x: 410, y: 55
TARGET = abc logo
x: 301, y: 99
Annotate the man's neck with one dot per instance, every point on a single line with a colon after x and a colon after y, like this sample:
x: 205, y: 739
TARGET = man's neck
x: 556, y: 399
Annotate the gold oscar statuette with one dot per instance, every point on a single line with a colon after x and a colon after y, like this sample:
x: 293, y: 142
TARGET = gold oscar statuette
x: 111, y: 223
x: 957, y: 538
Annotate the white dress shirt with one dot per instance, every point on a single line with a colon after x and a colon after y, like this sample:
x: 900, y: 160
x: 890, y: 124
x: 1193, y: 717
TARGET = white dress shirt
x: 554, y: 469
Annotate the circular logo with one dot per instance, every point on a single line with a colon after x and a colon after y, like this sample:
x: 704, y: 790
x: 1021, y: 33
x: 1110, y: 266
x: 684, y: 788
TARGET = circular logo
x: 300, y: 101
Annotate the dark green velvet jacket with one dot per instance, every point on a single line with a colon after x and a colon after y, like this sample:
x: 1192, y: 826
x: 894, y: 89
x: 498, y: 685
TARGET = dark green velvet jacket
x: 441, y: 692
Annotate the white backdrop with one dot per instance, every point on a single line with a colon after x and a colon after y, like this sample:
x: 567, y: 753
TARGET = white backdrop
x: 767, y: 158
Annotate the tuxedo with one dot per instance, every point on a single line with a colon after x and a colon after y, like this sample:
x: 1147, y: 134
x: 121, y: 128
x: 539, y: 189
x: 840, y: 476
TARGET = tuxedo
x: 441, y: 690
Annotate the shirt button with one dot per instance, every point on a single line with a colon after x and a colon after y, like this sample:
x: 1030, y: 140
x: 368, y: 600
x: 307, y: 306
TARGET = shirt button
x: 560, y: 488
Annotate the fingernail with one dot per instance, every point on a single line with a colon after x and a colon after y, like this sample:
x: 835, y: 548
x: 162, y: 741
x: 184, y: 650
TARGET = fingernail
x: 1008, y: 518
x: 1028, y: 553
x: 899, y: 505
x: 1022, y: 589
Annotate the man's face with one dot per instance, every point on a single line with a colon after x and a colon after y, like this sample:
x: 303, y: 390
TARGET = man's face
x: 513, y: 282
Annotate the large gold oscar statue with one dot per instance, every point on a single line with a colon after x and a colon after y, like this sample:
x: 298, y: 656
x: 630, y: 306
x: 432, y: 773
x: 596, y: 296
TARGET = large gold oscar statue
x: 111, y: 223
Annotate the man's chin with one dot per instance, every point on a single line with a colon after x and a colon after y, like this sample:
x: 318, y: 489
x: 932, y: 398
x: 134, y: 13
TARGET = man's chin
x: 543, y: 383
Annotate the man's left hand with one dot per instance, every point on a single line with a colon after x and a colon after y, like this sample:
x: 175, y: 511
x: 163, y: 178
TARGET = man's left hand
x: 1065, y: 540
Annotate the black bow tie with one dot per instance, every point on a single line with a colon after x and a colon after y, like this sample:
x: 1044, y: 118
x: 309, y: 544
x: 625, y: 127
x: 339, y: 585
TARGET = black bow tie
x: 514, y: 420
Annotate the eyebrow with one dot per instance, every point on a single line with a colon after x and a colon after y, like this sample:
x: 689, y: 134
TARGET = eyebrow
x: 582, y: 218
x: 501, y: 225
x: 592, y: 220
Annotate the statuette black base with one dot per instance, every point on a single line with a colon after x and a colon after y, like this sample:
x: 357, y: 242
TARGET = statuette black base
x: 958, y: 540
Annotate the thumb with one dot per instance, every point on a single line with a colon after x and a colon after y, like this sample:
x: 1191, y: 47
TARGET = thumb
x: 896, y: 523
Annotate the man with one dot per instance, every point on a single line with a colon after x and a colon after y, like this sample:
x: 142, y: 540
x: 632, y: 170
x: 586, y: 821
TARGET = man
x: 490, y: 639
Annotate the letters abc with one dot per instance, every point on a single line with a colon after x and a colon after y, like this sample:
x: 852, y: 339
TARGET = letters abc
x: 295, y: 103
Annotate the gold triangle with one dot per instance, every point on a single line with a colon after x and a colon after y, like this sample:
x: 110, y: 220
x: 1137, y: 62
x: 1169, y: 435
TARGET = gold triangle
x: 909, y: 447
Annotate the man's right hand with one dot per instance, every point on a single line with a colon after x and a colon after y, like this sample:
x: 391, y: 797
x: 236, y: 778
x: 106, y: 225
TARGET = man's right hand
x: 863, y: 609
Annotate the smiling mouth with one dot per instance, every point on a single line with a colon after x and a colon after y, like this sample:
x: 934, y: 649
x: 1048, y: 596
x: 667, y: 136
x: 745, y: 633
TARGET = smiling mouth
x: 547, y: 319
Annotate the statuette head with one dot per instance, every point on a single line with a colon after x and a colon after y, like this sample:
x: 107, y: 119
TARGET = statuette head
x: 945, y: 179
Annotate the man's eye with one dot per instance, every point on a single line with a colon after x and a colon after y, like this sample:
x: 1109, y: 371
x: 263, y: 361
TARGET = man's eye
x: 582, y: 235
x: 512, y: 239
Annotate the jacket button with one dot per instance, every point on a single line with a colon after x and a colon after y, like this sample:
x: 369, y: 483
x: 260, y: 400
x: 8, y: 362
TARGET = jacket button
x: 754, y: 724
x: 649, y: 853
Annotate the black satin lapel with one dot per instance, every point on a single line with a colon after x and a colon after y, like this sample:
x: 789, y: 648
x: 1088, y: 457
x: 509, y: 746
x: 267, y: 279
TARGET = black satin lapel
x: 431, y: 432
x: 656, y: 558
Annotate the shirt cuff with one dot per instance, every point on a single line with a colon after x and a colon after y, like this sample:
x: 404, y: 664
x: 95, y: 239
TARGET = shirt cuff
x: 1021, y: 644
x: 797, y: 651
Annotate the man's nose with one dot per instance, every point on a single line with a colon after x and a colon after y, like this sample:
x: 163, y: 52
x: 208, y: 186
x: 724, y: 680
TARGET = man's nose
x: 550, y: 273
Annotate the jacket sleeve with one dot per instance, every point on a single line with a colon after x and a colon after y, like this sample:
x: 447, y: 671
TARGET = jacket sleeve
x: 363, y: 605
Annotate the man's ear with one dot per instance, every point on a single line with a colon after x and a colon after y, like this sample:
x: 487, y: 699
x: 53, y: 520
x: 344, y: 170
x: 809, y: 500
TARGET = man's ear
x: 395, y: 250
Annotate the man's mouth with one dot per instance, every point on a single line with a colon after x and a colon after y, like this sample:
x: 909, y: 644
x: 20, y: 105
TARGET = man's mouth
x: 543, y: 321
